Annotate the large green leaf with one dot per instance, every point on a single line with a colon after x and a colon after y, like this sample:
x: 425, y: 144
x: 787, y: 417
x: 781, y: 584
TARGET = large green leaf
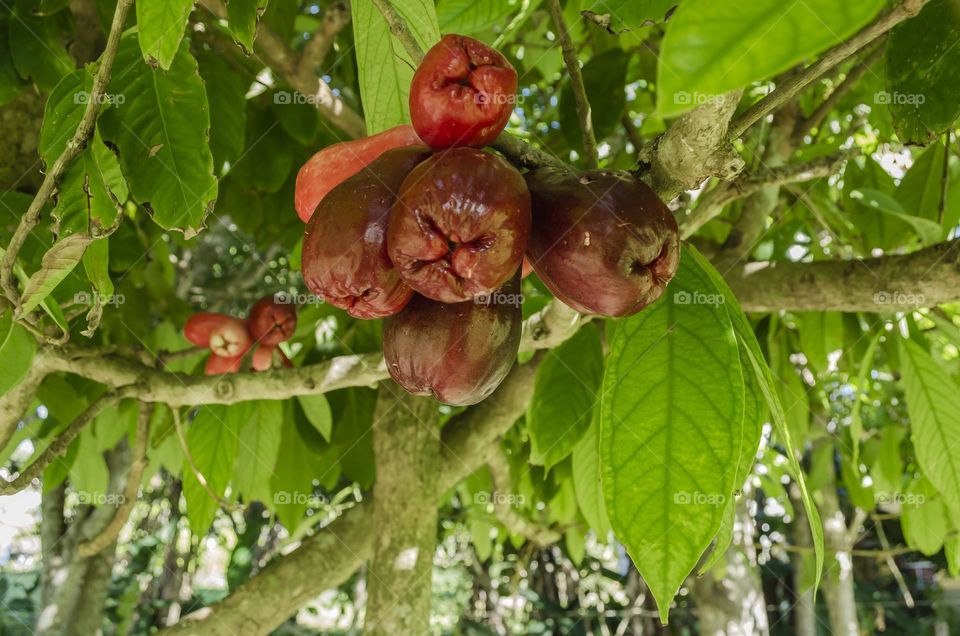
x: 603, y: 80
x: 473, y: 16
x: 292, y: 481
x: 671, y: 427
x: 16, y: 352
x: 713, y: 46
x: 160, y: 26
x: 161, y: 129
x: 923, y: 72
x: 563, y: 397
x: 11, y: 84
x: 257, y: 451
x: 242, y: 16
x: 752, y: 358
x: 384, y: 66
x: 317, y: 410
x: 933, y: 402
x: 586, y: 478
x: 921, y: 190
x: 37, y: 47
x: 226, y: 93
x: 212, y: 440
x: 928, y: 231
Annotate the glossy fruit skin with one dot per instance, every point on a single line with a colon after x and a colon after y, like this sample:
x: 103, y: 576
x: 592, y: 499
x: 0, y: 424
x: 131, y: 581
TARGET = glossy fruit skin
x: 462, y: 93
x: 199, y: 327
x: 218, y: 365
x: 344, y: 249
x: 230, y: 339
x: 603, y: 242
x: 271, y: 322
x: 460, y: 225
x: 329, y: 167
x: 458, y: 353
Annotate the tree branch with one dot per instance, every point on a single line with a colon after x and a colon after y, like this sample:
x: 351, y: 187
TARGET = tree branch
x: 576, y: 83
x: 513, y: 521
x: 76, y: 144
x: 783, y: 93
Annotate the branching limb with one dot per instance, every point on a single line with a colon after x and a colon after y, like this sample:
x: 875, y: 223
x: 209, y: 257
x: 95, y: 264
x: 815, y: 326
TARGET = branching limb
x: 783, y: 93
x: 139, y: 461
x: 576, y: 83
x: 76, y: 144
x: 335, y: 19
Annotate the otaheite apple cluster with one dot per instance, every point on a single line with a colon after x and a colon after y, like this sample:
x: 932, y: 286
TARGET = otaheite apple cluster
x: 416, y: 223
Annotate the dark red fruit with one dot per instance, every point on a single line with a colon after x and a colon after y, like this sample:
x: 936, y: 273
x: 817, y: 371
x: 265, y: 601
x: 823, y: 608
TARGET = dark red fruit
x: 331, y: 166
x: 602, y: 242
x: 199, y: 327
x: 230, y: 339
x: 270, y: 322
x: 460, y: 225
x: 218, y: 365
x: 462, y: 93
x: 457, y: 353
x: 344, y: 250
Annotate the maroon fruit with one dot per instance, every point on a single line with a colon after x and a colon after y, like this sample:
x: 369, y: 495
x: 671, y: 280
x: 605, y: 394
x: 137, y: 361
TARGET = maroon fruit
x: 334, y: 164
x: 602, y: 242
x: 344, y: 250
x: 462, y: 93
x: 458, y: 353
x: 460, y: 225
x: 270, y: 322
x: 230, y: 339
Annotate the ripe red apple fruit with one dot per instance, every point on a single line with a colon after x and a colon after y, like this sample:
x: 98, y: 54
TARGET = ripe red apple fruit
x: 271, y: 322
x: 458, y: 353
x: 199, y: 326
x: 344, y: 249
x: 462, y: 93
x: 460, y: 225
x: 602, y: 242
x: 230, y: 339
x: 329, y: 167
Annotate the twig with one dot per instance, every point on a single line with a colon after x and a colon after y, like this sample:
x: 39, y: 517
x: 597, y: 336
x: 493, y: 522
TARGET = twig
x: 60, y: 445
x: 892, y: 565
x: 139, y: 463
x: 226, y: 505
x: 510, y: 518
x: 944, y: 179
x: 831, y: 58
x: 335, y: 18
x: 70, y: 152
x: 398, y: 26
x: 858, y: 71
x: 576, y: 83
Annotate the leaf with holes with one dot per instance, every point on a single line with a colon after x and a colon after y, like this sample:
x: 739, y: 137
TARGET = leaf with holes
x: 671, y: 425
x: 242, y: 16
x: 160, y: 27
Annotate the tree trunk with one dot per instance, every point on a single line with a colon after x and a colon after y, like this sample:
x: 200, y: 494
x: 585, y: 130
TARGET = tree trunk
x: 730, y: 600
x: 837, y: 584
x: 406, y: 445
x: 804, y: 609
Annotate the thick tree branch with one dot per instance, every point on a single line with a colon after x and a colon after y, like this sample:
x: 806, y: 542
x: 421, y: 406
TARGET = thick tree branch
x: 576, y: 83
x: 73, y: 148
x: 785, y: 92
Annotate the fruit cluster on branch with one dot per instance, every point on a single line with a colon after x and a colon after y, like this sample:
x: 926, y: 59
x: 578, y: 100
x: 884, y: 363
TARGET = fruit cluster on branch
x: 423, y: 226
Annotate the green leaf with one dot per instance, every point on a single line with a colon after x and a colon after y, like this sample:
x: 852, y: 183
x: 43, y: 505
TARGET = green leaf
x: 933, y: 402
x: 317, y: 410
x: 925, y: 525
x: 62, y: 113
x: 724, y: 537
x: 57, y: 264
x: 96, y: 265
x: 921, y: 190
x: 603, y: 79
x: 384, y: 66
x: 242, y: 16
x: 257, y: 451
x: 928, y: 231
x: 37, y: 48
x: 670, y: 435
x: 226, y: 93
x: 212, y: 440
x: 765, y: 382
x: 17, y: 347
x: 473, y: 16
x: 564, y: 393
x: 89, y: 475
x: 586, y: 479
x: 626, y: 15
x: 862, y: 391
x: 161, y: 130
x: 712, y: 47
x: 923, y: 73
x: 160, y: 26
x: 11, y: 84
x: 292, y: 482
